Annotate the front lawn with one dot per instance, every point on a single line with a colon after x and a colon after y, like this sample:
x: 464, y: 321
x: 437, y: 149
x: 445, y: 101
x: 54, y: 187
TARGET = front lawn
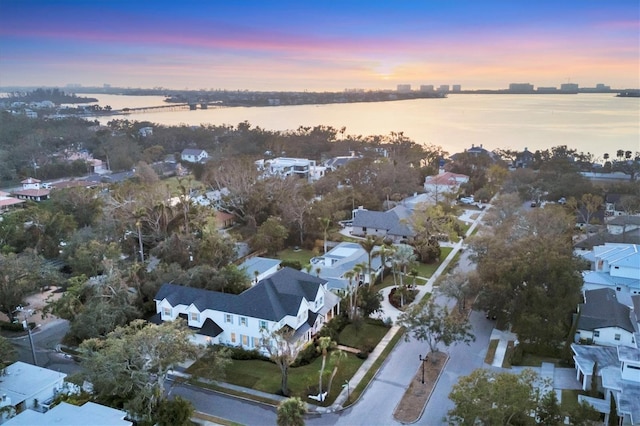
x: 366, y: 338
x: 303, y: 381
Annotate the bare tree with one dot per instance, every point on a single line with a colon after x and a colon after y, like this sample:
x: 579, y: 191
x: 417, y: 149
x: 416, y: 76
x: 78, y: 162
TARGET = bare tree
x: 283, y: 350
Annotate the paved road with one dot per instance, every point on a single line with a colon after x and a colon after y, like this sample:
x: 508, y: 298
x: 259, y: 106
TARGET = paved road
x: 45, y: 340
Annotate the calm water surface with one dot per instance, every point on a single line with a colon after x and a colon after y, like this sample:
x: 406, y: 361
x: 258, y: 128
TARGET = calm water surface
x: 596, y: 123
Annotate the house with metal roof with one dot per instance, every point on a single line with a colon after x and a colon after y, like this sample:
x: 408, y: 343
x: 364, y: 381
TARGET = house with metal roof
x: 258, y: 268
x: 618, y: 372
x: 287, y: 298
x: 615, y: 266
x: 341, y: 259
x: 25, y: 386
x: 605, y: 321
x: 67, y: 414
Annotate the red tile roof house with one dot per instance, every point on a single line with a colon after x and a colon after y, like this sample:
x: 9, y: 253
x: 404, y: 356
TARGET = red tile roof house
x: 444, y: 182
x: 7, y: 202
x: 31, y: 190
x: 288, y: 298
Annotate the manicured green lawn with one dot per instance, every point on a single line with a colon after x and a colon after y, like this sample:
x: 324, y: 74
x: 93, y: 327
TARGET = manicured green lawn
x: 266, y: 376
x: 366, y: 338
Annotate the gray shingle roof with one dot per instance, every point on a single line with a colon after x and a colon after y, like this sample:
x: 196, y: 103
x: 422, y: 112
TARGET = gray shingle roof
x: 602, y: 310
x: 394, y: 221
x: 271, y: 299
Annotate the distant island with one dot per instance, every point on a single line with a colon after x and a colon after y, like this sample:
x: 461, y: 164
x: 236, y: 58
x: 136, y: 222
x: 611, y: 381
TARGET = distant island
x: 53, y: 95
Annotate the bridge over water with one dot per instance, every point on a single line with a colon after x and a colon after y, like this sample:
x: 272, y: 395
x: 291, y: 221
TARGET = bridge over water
x: 192, y: 106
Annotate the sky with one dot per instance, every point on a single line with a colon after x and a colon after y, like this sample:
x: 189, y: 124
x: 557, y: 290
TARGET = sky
x: 320, y: 45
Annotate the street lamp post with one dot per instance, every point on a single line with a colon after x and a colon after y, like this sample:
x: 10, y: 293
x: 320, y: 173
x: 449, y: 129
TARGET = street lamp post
x: 346, y: 384
x: 423, y: 360
x: 25, y: 325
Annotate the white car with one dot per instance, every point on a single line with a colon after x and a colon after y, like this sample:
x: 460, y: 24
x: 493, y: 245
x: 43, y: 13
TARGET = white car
x: 467, y: 200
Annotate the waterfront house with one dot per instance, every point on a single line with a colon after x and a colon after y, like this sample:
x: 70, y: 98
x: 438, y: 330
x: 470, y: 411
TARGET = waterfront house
x: 287, y: 298
x: 285, y: 167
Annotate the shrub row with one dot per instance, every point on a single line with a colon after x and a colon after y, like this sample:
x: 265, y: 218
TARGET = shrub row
x: 15, y: 326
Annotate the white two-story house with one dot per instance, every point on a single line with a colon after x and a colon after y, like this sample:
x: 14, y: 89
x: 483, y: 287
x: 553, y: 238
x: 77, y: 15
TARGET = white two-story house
x: 288, y: 298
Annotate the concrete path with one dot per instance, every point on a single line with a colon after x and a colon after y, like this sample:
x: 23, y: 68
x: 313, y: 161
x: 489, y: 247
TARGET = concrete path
x: 503, y: 337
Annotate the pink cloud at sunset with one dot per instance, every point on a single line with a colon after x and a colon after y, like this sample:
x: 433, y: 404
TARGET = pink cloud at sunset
x: 323, y: 48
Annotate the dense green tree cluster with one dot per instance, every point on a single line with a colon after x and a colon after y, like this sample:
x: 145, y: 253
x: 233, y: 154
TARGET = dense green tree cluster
x: 527, y: 272
x: 499, y: 398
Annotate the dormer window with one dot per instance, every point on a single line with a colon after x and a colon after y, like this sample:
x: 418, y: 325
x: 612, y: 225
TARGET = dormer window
x: 194, y: 317
x: 166, y: 312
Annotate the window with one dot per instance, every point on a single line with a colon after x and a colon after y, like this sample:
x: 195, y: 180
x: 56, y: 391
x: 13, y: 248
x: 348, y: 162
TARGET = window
x: 228, y: 318
x: 596, y: 333
x: 617, y: 336
x: 233, y: 337
x: 243, y: 321
x: 166, y: 312
x: 263, y: 325
x: 256, y: 342
x: 194, y: 317
x: 245, y: 340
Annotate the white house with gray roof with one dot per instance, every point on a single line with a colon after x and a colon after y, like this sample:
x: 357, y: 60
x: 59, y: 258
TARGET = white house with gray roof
x: 192, y: 155
x: 393, y: 224
x: 287, y: 298
x: 605, y: 321
x: 618, y: 370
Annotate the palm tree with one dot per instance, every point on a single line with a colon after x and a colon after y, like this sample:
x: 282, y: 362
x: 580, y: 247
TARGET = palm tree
x: 324, y: 343
x: 402, y: 258
x: 357, y: 269
x: 325, y: 222
x: 368, y: 244
x: 337, y: 355
x: 291, y: 412
x: 350, y: 275
x: 385, y: 252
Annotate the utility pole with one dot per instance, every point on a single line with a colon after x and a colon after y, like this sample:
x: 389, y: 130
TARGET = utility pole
x: 25, y: 324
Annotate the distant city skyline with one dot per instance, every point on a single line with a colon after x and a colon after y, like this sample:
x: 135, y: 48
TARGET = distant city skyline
x: 328, y: 46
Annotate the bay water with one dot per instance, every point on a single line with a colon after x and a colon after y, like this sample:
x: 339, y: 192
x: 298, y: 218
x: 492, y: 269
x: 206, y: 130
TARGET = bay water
x: 595, y: 123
